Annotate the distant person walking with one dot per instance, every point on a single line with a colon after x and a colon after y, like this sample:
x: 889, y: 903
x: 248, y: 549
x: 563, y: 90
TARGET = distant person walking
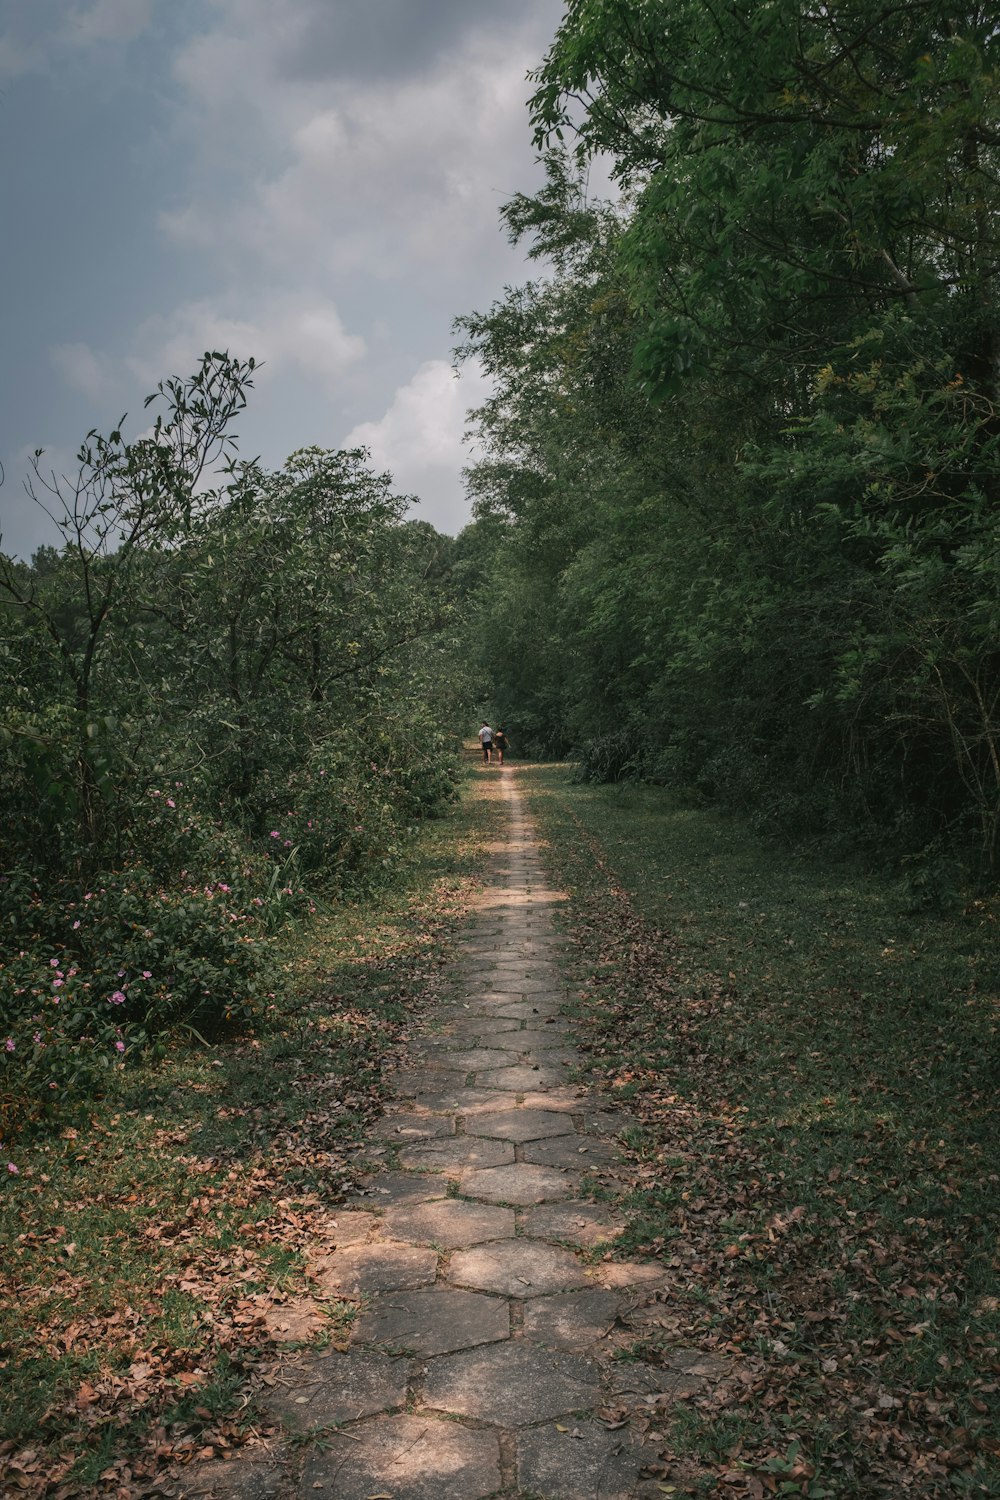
x: 486, y: 740
x: 500, y: 745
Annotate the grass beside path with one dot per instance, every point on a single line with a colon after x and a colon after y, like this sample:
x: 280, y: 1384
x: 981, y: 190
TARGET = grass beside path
x: 815, y: 1067
x: 154, y: 1244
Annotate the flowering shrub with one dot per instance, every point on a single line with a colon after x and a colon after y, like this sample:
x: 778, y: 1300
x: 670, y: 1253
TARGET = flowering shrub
x: 103, y: 970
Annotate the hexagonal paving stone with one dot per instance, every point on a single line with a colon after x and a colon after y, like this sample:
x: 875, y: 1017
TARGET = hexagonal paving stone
x: 612, y: 1273
x: 511, y: 1384
x: 581, y: 1152
x: 517, y: 1268
x: 521, y: 1124
x: 405, y: 1126
x: 235, y: 1479
x: 510, y: 1009
x: 573, y: 1097
x: 472, y: 1061
x: 551, y: 1057
x: 586, y: 1463
x: 521, y: 1184
x: 455, y: 1155
x: 409, y: 1458
x: 552, y: 1033
x: 385, y: 1188
x: 463, y: 1101
x: 378, y: 1268
x: 437, y: 1321
x: 325, y: 1390
x: 450, y: 1222
x: 517, y: 1079
x: 572, y: 1320
x: 347, y: 1226
x: 479, y: 1026
x: 423, y: 1080
x: 518, y: 984
x: 583, y: 1224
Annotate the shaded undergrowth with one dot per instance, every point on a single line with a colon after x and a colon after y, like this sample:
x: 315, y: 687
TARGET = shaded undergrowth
x: 814, y: 1066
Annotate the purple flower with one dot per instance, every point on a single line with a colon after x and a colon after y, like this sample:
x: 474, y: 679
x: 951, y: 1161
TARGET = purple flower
x: 117, y: 998
x: 76, y: 924
x: 171, y: 802
x: 9, y: 1045
x: 119, y: 1046
x: 12, y: 1169
x: 53, y: 963
x: 37, y: 1038
x: 275, y: 834
x: 146, y: 974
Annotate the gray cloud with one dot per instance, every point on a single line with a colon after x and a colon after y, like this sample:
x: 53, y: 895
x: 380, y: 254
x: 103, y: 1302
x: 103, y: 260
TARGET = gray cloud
x: 389, y: 38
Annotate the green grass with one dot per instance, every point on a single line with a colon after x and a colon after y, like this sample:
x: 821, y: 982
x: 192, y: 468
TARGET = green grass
x: 816, y: 1067
x: 145, y: 1234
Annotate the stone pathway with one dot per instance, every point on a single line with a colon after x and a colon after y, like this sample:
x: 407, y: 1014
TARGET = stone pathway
x: 486, y: 1356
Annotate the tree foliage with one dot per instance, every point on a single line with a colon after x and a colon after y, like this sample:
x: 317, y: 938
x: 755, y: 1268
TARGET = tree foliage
x: 222, y: 699
x: 742, y: 456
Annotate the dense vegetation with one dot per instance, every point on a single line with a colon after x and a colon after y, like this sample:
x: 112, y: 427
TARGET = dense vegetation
x: 217, y: 707
x: 737, y: 516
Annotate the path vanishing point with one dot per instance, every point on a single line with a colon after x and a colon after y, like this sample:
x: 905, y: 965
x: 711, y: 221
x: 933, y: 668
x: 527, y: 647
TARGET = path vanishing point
x: 486, y: 1357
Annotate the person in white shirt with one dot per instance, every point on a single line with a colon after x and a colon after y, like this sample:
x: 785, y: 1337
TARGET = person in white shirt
x: 486, y: 740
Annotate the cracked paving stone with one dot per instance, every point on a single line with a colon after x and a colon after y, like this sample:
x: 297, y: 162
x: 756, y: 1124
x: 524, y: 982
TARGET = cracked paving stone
x: 378, y: 1268
x: 456, y: 1155
x: 520, y: 1184
x: 583, y: 1224
x: 326, y: 1390
x: 407, y: 1458
x: 572, y: 1320
x: 451, y: 1223
x: 511, y: 1385
x: 584, y: 1153
x: 586, y: 1463
x: 438, y: 1321
x: 517, y: 1268
x: 521, y: 1124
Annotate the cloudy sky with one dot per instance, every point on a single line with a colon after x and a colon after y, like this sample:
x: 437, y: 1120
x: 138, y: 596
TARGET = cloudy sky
x: 313, y: 182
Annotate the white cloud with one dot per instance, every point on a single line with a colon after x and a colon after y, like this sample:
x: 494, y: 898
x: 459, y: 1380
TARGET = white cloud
x: 419, y: 439
x: 299, y: 333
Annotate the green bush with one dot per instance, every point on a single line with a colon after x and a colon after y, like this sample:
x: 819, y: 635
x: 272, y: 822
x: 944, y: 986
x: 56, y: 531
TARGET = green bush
x: 92, y: 973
